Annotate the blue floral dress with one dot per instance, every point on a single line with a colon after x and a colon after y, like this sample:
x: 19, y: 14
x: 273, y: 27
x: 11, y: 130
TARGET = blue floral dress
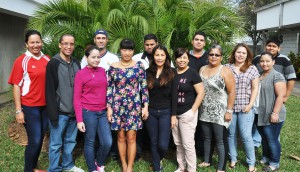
x: 123, y: 95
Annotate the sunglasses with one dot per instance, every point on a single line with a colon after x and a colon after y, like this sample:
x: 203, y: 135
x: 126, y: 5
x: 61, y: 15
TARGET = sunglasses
x: 217, y: 55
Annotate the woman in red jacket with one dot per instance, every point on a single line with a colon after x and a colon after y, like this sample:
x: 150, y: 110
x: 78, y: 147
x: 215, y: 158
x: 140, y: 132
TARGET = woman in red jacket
x: 28, y: 79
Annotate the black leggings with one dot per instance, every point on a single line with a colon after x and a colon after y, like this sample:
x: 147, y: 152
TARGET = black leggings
x: 220, y: 136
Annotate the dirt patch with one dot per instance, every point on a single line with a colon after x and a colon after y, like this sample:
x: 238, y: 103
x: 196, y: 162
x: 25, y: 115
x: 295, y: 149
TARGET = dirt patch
x: 17, y: 133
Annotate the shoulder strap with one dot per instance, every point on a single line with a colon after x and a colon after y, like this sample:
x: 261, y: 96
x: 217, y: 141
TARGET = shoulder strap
x: 220, y: 69
x: 204, y: 67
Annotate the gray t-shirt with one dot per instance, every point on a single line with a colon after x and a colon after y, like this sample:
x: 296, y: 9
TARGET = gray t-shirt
x: 267, y: 98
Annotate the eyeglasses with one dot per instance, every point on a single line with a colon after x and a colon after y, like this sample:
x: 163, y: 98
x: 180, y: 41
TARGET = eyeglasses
x: 67, y: 44
x: 217, y: 55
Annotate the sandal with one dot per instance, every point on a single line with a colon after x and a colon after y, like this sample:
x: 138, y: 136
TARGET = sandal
x: 232, y: 166
x: 204, y: 164
x: 254, y: 170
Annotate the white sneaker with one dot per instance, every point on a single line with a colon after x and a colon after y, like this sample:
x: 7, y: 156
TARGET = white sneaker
x: 75, y: 169
x: 100, y: 169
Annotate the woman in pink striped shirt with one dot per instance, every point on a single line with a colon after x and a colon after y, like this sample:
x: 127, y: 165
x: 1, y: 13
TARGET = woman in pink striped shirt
x: 90, y: 108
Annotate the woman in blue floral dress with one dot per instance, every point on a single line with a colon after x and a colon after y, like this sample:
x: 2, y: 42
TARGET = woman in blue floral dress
x: 126, y: 80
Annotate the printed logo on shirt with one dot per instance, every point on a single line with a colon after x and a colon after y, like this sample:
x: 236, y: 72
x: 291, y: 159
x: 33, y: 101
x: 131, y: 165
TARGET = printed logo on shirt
x: 181, y: 98
x: 33, y: 66
x: 182, y: 80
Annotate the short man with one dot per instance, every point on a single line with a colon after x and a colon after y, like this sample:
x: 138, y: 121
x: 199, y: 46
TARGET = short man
x: 198, y: 56
x: 107, y: 58
x: 60, y: 73
x: 282, y: 65
x: 150, y: 41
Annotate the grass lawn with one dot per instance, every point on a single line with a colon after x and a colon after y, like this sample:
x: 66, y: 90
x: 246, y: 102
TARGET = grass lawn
x: 12, y: 155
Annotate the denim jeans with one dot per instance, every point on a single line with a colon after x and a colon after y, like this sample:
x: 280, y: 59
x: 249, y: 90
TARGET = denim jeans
x: 158, y: 126
x: 36, y: 123
x: 62, y: 140
x: 241, y: 123
x: 220, y: 134
x: 270, y: 143
x: 255, y: 134
x: 97, y: 126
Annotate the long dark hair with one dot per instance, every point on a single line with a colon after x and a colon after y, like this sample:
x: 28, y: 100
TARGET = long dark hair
x: 248, y: 61
x: 167, y: 74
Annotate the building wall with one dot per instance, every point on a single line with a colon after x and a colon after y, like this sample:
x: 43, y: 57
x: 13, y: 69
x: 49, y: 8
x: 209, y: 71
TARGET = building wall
x: 11, y: 45
x: 290, y: 41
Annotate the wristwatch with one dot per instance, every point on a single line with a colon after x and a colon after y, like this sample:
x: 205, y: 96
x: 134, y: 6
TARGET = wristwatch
x: 18, y: 111
x: 229, y: 111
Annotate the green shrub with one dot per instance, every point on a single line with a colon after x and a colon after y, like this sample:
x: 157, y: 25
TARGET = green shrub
x: 295, y: 59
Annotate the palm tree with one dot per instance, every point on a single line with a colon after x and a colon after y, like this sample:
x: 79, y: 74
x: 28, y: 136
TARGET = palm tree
x: 173, y: 21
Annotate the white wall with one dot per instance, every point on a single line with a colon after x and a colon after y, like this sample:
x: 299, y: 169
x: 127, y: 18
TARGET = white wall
x: 291, y: 13
x: 285, y: 14
x: 268, y: 18
x: 20, y: 8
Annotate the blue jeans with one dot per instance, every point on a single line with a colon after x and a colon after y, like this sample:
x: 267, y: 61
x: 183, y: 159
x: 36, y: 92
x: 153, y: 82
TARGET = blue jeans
x: 159, y: 128
x: 241, y: 122
x: 255, y: 134
x: 62, y: 140
x: 36, y: 123
x: 270, y: 143
x: 96, y: 124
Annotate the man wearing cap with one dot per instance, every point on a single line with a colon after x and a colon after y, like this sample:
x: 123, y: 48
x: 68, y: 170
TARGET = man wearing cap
x: 107, y: 58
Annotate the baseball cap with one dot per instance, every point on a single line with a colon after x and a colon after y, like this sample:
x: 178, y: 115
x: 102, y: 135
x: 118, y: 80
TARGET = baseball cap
x: 101, y: 31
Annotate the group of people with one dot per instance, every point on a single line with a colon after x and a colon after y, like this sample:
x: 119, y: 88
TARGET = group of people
x: 201, y: 102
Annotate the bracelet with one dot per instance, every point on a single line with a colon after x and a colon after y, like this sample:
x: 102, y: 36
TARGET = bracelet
x: 274, y: 113
x: 229, y: 111
x: 18, y: 111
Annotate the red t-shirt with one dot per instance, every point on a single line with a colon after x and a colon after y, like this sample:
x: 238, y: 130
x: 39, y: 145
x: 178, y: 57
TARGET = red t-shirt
x: 29, y: 72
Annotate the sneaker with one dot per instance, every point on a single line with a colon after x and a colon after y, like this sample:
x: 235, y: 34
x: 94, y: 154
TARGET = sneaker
x: 75, y: 169
x: 100, y: 169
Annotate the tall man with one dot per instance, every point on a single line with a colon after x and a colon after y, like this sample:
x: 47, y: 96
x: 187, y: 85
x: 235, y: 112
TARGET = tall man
x: 150, y: 41
x: 198, y: 57
x: 60, y: 73
x: 107, y: 58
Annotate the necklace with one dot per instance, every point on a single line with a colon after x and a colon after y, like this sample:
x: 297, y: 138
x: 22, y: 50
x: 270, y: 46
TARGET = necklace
x: 91, y: 72
x: 125, y: 65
